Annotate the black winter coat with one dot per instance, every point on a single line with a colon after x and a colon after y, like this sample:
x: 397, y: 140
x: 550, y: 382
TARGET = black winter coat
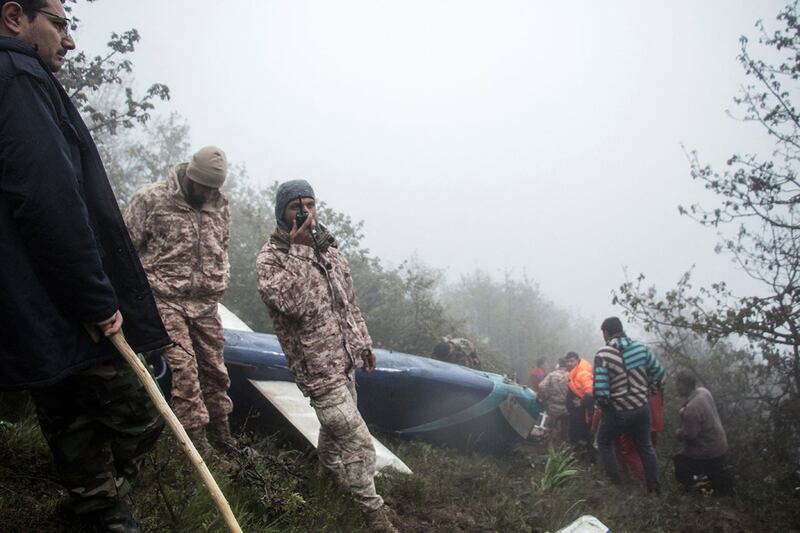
x: 65, y: 254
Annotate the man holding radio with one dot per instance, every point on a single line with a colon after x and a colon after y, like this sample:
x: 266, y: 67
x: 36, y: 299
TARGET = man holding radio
x: 305, y: 282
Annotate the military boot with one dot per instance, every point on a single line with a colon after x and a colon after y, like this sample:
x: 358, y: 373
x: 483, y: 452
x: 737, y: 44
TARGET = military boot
x: 115, y: 519
x: 200, y: 441
x: 219, y: 434
x: 378, y: 521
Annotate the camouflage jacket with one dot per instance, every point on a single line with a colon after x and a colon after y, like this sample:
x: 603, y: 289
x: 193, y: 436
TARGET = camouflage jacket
x: 553, y: 392
x: 462, y: 352
x: 183, y: 250
x: 312, y: 305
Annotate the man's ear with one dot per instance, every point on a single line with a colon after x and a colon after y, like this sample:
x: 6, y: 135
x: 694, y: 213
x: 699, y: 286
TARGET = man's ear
x: 13, y: 19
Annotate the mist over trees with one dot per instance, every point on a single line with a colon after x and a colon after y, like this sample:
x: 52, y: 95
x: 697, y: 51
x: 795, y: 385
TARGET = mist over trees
x: 87, y: 79
x: 408, y: 307
x: 744, y: 348
x: 747, y: 347
x: 513, y: 317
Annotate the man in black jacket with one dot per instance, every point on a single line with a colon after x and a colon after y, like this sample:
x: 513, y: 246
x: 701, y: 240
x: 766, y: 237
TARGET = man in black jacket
x: 68, y: 275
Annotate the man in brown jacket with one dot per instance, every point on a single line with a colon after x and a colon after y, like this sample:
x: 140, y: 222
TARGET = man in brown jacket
x: 180, y: 227
x: 305, y: 282
x: 703, y: 439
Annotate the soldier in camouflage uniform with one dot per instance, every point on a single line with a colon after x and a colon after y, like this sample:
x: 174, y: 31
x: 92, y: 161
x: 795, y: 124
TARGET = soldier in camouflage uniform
x: 553, y: 392
x: 180, y: 227
x: 459, y: 351
x: 305, y: 282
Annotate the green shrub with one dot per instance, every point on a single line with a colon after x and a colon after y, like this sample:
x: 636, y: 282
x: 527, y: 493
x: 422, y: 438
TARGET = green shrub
x: 560, y: 468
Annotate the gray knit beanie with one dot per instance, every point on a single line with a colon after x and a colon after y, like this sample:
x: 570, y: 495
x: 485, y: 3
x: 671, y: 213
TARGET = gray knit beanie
x: 208, y: 167
x: 288, y: 191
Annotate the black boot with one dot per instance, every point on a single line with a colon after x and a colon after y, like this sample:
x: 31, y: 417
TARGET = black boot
x: 115, y: 519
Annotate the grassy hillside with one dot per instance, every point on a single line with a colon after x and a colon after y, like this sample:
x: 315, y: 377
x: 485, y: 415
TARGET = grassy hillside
x: 450, y: 491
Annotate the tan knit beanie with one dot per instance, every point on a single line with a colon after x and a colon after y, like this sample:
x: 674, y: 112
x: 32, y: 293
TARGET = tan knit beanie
x: 208, y: 167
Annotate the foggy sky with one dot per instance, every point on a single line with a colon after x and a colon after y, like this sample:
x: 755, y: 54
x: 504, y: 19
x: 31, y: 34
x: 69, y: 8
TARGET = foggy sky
x: 533, y: 137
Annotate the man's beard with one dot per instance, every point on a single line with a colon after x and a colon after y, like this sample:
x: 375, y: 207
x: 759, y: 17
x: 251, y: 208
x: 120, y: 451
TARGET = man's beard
x: 192, y: 198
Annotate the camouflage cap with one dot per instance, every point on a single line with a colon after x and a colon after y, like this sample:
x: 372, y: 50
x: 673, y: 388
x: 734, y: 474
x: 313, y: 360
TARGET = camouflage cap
x: 208, y: 167
x: 288, y: 191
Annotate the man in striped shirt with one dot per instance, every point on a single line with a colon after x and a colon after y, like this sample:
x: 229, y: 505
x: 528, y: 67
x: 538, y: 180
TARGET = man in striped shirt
x: 625, y: 374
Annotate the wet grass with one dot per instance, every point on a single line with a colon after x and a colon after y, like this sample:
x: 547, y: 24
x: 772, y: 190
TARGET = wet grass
x: 533, y: 488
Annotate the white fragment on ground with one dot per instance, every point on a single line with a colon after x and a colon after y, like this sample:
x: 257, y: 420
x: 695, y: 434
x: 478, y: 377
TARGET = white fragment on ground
x: 585, y: 524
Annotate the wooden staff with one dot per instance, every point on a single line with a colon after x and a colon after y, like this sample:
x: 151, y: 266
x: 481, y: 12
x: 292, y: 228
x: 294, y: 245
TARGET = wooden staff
x: 118, y: 340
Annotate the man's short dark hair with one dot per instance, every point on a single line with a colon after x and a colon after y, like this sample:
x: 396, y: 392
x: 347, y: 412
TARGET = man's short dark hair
x: 29, y: 7
x: 612, y: 326
x: 540, y: 362
x: 687, y: 378
x: 572, y: 355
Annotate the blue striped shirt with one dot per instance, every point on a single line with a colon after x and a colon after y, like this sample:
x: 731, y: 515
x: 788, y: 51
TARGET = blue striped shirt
x: 625, y: 372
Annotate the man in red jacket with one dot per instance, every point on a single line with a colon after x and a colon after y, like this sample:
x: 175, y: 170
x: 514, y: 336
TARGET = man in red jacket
x: 537, y: 375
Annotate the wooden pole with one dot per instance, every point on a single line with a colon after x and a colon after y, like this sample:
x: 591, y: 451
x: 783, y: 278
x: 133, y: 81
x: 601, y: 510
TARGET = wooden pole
x: 118, y: 340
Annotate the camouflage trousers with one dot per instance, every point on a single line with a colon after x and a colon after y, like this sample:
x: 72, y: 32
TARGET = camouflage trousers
x: 345, y: 444
x: 200, y: 380
x: 99, y: 423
